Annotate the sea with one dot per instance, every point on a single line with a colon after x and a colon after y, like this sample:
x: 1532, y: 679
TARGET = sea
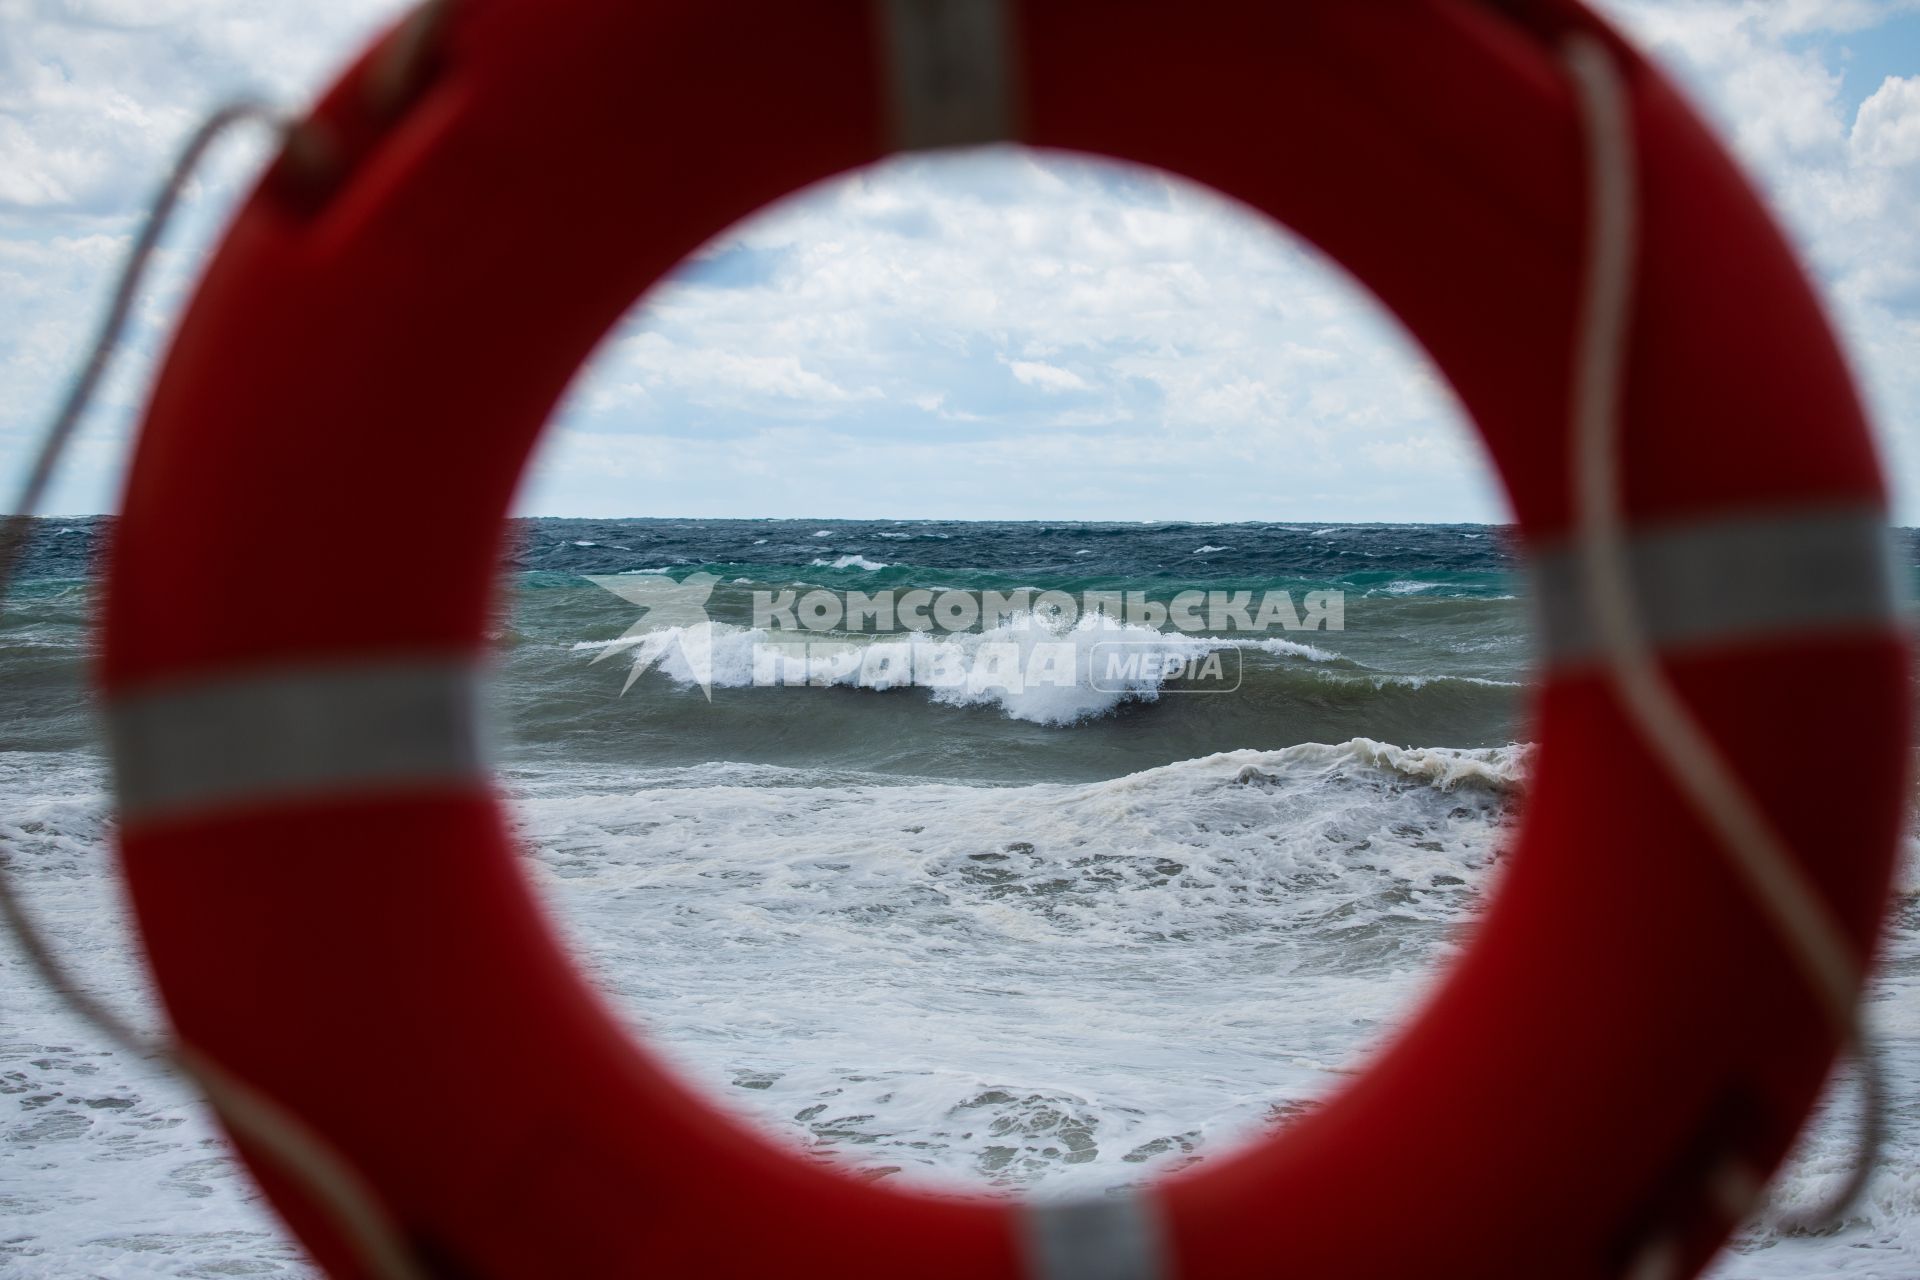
x: 1022, y: 936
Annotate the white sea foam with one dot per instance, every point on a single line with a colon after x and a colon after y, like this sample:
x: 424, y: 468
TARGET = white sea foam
x: 1387, y: 680
x: 738, y: 658
x: 849, y: 562
x: 1063, y: 987
x: 1074, y: 985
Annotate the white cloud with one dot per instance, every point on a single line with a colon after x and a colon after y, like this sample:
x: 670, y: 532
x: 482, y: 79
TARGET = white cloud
x: 1846, y: 182
x: 1048, y: 377
x: 1886, y: 132
x: 714, y: 377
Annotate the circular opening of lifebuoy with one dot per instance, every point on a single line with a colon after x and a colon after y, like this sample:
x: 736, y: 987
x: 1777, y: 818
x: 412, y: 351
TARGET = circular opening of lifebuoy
x: 1014, y: 851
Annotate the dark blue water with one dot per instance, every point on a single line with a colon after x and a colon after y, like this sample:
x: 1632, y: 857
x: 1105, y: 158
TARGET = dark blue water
x: 1435, y: 647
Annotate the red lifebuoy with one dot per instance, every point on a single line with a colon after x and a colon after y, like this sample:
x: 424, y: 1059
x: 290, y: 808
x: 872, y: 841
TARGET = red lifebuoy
x: 1573, y: 1101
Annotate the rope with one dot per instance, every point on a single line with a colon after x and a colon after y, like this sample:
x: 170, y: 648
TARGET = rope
x: 59, y: 432
x: 1794, y: 906
x: 292, y: 1147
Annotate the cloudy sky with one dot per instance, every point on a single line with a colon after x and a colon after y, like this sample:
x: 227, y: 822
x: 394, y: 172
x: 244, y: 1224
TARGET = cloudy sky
x: 992, y: 335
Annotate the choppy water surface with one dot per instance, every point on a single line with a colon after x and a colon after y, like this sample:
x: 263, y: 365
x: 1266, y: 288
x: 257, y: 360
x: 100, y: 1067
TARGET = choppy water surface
x: 1064, y: 939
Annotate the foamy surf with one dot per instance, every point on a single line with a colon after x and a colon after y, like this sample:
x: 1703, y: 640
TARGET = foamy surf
x: 1051, y: 987
x: 973, y: 665
x: 849, y: 562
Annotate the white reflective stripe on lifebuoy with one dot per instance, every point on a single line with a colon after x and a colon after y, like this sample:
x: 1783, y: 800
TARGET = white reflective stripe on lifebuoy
x: 1732, y: 580
x: 950, y: 72
x: 298, y: 732
x: 1113, y: 1238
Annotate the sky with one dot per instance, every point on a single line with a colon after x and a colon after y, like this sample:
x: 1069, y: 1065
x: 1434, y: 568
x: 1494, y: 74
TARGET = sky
x: 995, y: 334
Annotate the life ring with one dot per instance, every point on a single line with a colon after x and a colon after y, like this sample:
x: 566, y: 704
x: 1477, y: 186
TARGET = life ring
x: 1597, y: 1080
